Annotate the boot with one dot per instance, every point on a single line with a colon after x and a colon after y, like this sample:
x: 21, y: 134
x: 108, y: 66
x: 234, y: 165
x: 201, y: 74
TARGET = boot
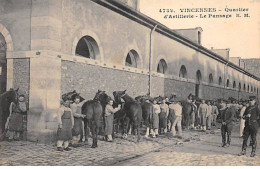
x: 252, y: 154
x: 67, y: 149
x: 253, y: 150
x: 243, y: 152
x: 59, y: 148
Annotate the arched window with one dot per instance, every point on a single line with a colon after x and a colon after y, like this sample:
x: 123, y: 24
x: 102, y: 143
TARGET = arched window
x: 257, y: 90
x: 220, y: 81
x: 162, y: 66
x: 234, y: 84
x: 210, y: 78
x: 132, y: 59
x: 248, y: 88
x: 198, y: 76
x: 244, y: 88
x: 227, y: 82
x: 239, y: 86
x: 87, y: 47
x: 251, y: 88
x: 254, y: 89
x: 183, y: 72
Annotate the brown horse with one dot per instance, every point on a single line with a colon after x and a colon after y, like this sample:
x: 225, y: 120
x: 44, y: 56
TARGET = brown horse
x: 93, y: 111
x: 132, y: 110
x: 147, y: 111
x: 118, y: 116
x: 187, y: 109
x: 6, y: 99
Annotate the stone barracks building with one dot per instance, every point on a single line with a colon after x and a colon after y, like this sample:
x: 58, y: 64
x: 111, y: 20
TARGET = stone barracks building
x: 50, y: 47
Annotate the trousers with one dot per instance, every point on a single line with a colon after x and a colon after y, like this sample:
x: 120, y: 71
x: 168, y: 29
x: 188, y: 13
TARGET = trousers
x: 250, y: 130
x: 226, y: 129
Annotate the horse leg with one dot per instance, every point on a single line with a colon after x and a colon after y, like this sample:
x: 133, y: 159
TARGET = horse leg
x: 94, y: 134
x: 126, y: 127
x: 136, y: 127
x: 86, y: 130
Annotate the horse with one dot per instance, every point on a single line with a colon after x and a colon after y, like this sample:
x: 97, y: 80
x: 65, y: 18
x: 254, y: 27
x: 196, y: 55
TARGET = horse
x: 118, y: 116
x: 71, y: 96
x: 147, y: 111
x: 6, y: 99
x: 132, y: 110
x: 187, y: 109
x: 93, y: 111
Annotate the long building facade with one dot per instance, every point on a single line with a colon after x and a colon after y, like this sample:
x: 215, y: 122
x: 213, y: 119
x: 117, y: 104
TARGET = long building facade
x: 50, y: 47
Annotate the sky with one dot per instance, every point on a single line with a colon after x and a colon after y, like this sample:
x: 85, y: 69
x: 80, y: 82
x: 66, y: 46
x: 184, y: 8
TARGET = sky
x: 240, y: 34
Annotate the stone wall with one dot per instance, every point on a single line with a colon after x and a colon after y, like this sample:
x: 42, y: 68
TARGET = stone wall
x: 21, y: 71
x: 88, y: 79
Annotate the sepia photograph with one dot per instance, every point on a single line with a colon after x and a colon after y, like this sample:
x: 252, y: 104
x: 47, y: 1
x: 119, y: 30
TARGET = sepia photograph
x: 129, y: 83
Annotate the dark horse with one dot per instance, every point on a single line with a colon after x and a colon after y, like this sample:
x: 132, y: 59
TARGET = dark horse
x: 6, y: 99
x: 132, y: 109
x: 187, y: 109
x: 118, y: 116
x: 93, y: 111
x: 147, y: 111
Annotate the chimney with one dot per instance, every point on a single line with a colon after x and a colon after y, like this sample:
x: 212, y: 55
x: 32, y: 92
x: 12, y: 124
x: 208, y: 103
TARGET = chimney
x: 131, y: 3
x: 222, y: 52
x: 194, y: 34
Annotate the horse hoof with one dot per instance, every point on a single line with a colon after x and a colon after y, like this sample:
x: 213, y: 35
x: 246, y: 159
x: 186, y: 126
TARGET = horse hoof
x: 94, y: 146
x: 146, y: 136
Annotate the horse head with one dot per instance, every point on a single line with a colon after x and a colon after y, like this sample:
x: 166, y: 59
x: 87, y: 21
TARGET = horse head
x: 118, y: 95
x: 144, y: 98
x: 13, y: 95
x: 159, y: 99
x: 99, y: 94
x: 102, y: 97
x: 71, y: 96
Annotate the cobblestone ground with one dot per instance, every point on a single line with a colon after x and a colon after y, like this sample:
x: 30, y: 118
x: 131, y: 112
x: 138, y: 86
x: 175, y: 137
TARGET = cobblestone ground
x: 196, y: 148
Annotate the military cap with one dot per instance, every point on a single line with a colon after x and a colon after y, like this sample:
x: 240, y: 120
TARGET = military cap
x: 252, y: 98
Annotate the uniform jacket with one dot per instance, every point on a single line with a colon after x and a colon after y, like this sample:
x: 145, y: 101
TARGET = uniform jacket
x: 227, y: 116
x: 254, y: 111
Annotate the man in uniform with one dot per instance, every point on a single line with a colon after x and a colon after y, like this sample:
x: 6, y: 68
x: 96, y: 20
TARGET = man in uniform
x: 214, y: 113
x: 227, y: 117
x: 251, y: 116
x: 202, y: 112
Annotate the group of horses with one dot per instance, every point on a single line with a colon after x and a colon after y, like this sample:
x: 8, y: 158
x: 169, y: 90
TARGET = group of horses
x: 133, y: 112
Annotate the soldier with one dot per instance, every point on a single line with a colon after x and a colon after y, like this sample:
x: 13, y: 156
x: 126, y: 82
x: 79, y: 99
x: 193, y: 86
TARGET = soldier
x: 242, y: 121
x: 251, y: 116
x: 65, y: 125
x: 77, y: 130
x: 194, y: 111
x: 109, y: 117
x: 202, y: 112
x: 227, y: 118
x: 163, y: 117
x: 156, y: 112
x: 214, y: 113
x: 209, y: 115
x: 177, y: 108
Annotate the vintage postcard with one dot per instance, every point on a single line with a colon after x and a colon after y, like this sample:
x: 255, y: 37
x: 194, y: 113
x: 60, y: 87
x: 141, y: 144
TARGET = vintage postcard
x: 129, y: 82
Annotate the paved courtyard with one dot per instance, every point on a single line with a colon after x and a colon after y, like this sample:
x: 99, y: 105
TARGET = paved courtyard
x: 196, y: 148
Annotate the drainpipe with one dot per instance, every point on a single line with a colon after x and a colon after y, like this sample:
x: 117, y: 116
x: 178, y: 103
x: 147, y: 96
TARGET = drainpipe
x: 150, y: 60
x: 225, y: 72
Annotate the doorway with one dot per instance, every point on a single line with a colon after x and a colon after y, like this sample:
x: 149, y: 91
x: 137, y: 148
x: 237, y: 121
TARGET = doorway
x: 3, y: 64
